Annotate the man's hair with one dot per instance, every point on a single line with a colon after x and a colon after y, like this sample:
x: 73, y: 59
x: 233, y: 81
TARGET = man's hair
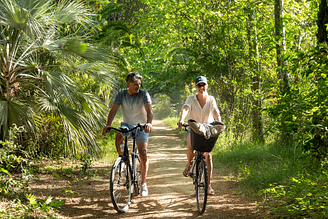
x: 132, y: 77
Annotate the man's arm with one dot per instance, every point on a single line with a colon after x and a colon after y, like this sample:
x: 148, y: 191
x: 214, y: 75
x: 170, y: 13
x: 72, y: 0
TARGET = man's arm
x: 111, y: 116
x: 149, y: 111
x: 184, y: 113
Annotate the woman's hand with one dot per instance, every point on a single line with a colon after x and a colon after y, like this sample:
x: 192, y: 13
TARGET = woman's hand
x: 180, y: 123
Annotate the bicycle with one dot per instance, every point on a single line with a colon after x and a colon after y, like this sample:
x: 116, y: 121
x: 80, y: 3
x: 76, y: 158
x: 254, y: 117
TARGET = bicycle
x: 125, y: 179
x: 198, y: 170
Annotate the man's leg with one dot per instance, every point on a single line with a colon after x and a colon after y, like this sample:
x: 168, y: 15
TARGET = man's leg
x: 142, y: 148
x: 119, y: 139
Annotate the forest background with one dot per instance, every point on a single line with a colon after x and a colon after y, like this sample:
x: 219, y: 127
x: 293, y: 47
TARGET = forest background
x: 62, y: 62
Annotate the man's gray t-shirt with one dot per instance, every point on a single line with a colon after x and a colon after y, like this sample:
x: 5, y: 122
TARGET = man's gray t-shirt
x: 133, y: 107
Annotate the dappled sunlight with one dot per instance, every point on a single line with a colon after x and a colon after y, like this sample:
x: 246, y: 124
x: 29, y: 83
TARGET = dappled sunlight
x: 171, y: 195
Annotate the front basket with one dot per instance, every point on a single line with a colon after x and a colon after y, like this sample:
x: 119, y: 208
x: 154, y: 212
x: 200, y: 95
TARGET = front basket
x: 200, y: 143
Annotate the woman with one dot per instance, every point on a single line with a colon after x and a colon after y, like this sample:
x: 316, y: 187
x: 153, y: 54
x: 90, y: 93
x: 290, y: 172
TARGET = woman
x: 200, y: 107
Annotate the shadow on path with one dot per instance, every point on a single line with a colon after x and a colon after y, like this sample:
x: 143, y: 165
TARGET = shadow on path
x: 171, y: 195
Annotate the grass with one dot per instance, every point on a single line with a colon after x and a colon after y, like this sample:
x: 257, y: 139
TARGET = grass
x: 172, y: 122
x: 107, y: 144
x: 290, y: 182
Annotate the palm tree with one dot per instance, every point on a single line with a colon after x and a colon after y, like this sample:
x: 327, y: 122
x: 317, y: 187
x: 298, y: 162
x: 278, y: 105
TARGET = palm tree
x: 38, y: 60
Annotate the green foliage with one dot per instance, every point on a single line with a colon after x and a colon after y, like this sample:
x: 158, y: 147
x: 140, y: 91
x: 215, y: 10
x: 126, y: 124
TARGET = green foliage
x: 163, y: 107
x: 305, y: 103
x: 107, y: 143
x: 16, y: 174
x: 303, y: 196
x: 172, y: 122
x: 38, y: 88
x: 12, y: 157
x: 47, y: 205
x: 291, y: 183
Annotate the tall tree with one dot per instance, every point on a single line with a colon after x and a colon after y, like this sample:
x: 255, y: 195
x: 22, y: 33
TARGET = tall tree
x: 320, y: 143
x: 322, y: 22
x: 280, y: 51
x: 254, y: 63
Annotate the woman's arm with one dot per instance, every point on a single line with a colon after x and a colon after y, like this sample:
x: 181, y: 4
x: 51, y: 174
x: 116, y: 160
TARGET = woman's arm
x: 216, y: 115
x: 184, y: 113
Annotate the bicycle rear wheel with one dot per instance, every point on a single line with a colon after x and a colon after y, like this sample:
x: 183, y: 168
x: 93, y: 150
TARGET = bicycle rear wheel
x: 120, y: 185
x: 201, y: 184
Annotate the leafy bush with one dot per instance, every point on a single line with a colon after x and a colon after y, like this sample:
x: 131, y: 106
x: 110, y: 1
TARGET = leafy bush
x: 305, y: 103
x: 292, y: 183
x: 301, y: 197
x: 16, y: 173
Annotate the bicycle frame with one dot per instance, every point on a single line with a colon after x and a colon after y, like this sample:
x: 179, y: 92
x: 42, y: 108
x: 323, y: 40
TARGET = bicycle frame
x: 134, y: 156
x: 194, y: 173
x: 130, y: 177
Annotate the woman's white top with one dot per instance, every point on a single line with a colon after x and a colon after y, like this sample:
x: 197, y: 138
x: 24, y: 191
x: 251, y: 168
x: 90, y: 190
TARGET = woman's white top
x: 202, y: 115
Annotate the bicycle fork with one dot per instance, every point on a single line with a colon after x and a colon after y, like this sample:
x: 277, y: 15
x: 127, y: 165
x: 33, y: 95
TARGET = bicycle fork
x: 197, y: 159
x: 135, y: 157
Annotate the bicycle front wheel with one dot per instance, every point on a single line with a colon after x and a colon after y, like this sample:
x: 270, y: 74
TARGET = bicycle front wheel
x: 201, y: 184
x: 137, y: 174
x: 120, y: 185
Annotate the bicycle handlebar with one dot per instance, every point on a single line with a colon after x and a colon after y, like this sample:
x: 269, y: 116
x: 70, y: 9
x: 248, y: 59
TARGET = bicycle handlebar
x: 185, y: 125
x: 126, y: 130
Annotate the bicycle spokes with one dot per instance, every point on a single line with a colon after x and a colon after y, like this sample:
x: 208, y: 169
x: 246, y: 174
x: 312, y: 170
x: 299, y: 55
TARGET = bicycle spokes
x: 201, y: 185
x: 120, y: 185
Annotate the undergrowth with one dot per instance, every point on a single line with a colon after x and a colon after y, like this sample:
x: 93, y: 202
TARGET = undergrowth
x: 16, y: 173
x: 291, y: 183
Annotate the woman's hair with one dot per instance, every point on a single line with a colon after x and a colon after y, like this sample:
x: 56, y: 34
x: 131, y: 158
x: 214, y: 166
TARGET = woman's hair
x: 132, y: 77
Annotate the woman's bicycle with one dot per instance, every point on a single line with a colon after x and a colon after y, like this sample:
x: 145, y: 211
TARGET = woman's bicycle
x: 198, y: 170
x: 125, y: 178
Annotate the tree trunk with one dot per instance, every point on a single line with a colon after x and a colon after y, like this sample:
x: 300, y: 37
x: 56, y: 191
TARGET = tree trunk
x: 322, y: 21
x: 321, y: 136
x: 256, y: 79
x: 281, y: 45
x: 282, y: 75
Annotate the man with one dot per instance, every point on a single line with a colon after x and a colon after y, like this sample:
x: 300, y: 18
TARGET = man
x: 136, y: 108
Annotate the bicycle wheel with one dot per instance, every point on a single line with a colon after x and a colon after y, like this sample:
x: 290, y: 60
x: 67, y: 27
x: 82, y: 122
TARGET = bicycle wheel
x: 120, y: 185
x: 137, y: 174
x: 201, y: 184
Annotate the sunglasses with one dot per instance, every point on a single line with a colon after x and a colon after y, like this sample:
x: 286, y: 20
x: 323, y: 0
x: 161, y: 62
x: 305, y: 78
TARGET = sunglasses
x: 134, y: 74
x: 201, y: 85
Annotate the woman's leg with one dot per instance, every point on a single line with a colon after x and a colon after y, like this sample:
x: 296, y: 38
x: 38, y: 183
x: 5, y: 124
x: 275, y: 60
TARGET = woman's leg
x: 190, y: 151
x: 190, y: 156
x: 209, y: 165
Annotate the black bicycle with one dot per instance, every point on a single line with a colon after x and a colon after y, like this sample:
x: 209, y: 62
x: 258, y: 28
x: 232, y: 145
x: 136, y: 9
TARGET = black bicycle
x: 198, y: 170
x: 125, y: 179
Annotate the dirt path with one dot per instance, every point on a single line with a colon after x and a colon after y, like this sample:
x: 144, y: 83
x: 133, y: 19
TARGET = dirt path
x: 171, y: 195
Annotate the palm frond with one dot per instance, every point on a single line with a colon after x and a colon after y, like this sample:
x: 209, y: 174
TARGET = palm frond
x: 13, y: 112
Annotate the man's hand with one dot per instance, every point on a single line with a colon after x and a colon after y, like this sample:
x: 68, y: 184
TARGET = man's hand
x: 148, y: 127
x: 105, y: 130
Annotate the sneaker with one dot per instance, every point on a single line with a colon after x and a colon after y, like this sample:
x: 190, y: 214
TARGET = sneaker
x: 144, y: 190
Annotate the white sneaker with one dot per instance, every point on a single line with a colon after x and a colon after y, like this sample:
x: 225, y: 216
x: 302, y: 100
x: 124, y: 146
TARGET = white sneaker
x: 144, y: 190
